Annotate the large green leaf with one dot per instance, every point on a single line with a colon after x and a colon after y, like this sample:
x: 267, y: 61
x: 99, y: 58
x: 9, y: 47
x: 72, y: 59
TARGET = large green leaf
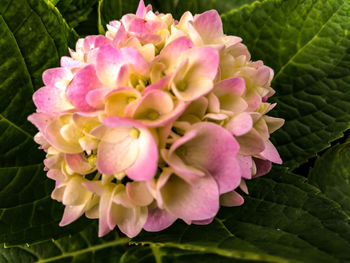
x: 86, y: 247
x: 75, y: 11
x: 81, y: 247
x: 199, y: 6
x: 283, y: 218
x: 331, y: 174
x: 307, y: 43
x: 33, y: 37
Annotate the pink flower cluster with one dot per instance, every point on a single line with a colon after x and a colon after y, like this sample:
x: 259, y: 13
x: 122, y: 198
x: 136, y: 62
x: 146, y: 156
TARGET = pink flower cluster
x: 157, y: 120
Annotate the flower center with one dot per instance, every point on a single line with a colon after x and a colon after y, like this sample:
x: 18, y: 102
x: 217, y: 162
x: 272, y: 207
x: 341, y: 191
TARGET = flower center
x: 131, y: 99
x: 181, y: 85
x: 152, y: 115
x: 92, y: 160
x: 134, y: 133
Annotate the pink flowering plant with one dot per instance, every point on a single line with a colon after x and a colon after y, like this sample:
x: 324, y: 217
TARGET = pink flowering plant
x: 155, y: 132
x: 154, y: 121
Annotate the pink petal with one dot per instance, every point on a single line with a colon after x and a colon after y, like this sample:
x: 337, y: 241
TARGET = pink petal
x: 203, y: 222
x: 273, y: 124
x: 117, y: 101
x: 113, y: 158
x: 208, y: 25
x: 108, y: 63
x: 245, y: 163
x: 96, y: 187
x: 240, y: 50
x: 133, y: 57
x: 51, y: 100
x: 75, y: 193
x: 160, y: 113
x: 40, y: 120
x: 254, y: 100
x: 96, y: 98
x: 229, y: 92
x: 199, y: 201
x: 92, y: 42
x: 205, y: 61
x: 159, y: 184
x: 146, y: 163
x: 270, y: 153
x: 118, y: 151
x: 69, y: 63
x: 53, y: 135
x: 214, y: 103
x: 53, y: 162
x: 72, y: 213
x: 86, y: 121
x: 141, y: 9
x: 231, y: 199
x: 240, y: 124
x: 197, y: 108
x: 158, y: 101
x: 56, y: 175
x: 243, y: 187
x: 262, y: 167
x: 234, y: 85
x: 217, y: 155
x: 262, y: 76
x: 198, y: 40
x: 190, y: 90
x: 251, y: 143
x: 145, y: 166
x: 91, y: 210
x: 53, y: 75
x: 216, y: 116
x: 194, y: 76
x: 170, y: 53
x: 163, y: 133
x: 58, y: 192
x: 138, y: 192
x: 158, y: 219
x: 186, y: 171
x: 120, y: 35
x: 145, y: 31
x: 162, y: 84
x: 130, y: 221
x: 77, y: 163
x: 84, y: 81
x: 104, y: 227
x: 104, y: 205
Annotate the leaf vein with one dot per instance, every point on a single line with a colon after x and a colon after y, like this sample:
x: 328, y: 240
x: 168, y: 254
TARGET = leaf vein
x: 280, y: 71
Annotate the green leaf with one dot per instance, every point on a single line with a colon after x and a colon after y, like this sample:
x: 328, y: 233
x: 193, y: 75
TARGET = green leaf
x: 81, y: 247
x: 89, y: 26
x: 33, y: 37
x: 75, y: 11
x: 187, y: 254
x: 331, y: 174
x: 199, y: 6
x: 283, y: 219
x: 307, y: 43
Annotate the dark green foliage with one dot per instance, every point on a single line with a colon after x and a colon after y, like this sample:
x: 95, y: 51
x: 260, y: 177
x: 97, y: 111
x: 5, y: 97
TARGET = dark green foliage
x: 33, y: 38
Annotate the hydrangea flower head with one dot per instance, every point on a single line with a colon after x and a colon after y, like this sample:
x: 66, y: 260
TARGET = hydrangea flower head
x: 156, y: 121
